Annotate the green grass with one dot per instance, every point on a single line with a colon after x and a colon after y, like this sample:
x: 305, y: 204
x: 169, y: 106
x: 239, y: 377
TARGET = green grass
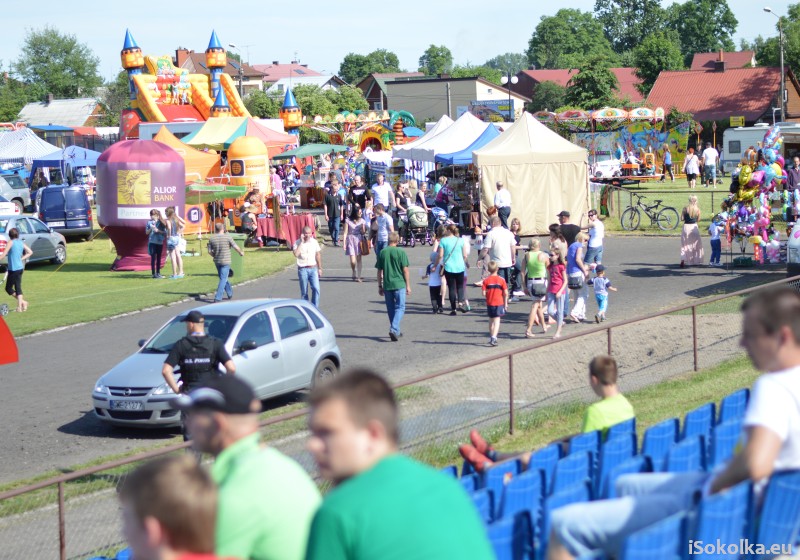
x: 85, y: 289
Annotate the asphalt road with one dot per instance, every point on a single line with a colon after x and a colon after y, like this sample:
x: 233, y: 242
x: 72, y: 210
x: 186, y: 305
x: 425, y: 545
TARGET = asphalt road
x: 45, y: 405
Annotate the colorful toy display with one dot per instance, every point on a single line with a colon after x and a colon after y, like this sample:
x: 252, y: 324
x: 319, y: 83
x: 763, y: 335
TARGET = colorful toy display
x: 291, y: 114
x: 365, y: 130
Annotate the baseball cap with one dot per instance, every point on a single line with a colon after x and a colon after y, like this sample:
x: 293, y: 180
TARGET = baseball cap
x: 193, y: 317
x: 563, y: 214
x: 599, y: 268
x: 228, y: 394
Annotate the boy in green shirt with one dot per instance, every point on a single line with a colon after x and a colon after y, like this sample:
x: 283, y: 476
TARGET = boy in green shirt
x: 384, y: 505
x: 612, y: 409
x: 394, y: 283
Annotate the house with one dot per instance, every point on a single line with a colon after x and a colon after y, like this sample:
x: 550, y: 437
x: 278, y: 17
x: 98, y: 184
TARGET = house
x: 708, y: 61
x: 83, y: 111
x: 374, y: 87
x: 271, y: 73
x: 429, y: 98
x: 717, y: 95
x: 529, y: 79
x: 323, y: 82
x: 243, y: 74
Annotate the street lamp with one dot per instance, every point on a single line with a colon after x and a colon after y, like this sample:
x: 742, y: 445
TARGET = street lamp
x: 783, y: 77
x: 241, y: 69
x: 508, y: 80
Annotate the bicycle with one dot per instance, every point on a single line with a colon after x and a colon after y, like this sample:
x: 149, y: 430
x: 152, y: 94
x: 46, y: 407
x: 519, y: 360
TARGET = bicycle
x: 666, y: 217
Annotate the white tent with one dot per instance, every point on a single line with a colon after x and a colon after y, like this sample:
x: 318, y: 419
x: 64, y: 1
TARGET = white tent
x: 23, y: 146
x: 544, y: 174
x: 404, y: 151
x: 456, y: 137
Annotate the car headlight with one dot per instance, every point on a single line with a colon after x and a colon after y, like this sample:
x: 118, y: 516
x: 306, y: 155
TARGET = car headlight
x: 163, y: 390
x: 100, y: 388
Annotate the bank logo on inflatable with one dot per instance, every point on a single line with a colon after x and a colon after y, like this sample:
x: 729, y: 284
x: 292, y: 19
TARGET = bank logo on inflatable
x: 134, y: 187
x: 237, y: 168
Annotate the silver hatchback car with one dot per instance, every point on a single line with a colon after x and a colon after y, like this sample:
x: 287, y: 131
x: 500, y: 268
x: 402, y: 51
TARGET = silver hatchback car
x: 278, y: 345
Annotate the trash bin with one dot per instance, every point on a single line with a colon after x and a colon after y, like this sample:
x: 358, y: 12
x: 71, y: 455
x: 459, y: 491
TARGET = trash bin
x: 237, y: 261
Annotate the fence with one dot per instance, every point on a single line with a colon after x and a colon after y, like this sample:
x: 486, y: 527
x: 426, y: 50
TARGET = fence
x: 76, y: 515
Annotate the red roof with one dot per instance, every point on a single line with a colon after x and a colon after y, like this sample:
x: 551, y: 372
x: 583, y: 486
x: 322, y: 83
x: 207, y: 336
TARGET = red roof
x: 747, y: 92
x: 707, y: 61
x: 274, y: 72
x: 626, y: 77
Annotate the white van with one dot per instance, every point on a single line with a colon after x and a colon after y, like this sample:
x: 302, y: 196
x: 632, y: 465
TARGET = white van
x: 735, y: 141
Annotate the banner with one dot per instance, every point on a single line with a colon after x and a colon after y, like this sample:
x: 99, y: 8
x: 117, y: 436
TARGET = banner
x: 634, y: 137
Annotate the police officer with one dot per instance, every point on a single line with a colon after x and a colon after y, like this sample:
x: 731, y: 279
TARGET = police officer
x: 197, y: 355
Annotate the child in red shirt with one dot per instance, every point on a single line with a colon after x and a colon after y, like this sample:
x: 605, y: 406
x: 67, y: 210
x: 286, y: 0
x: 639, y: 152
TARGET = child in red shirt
x: 495, y: 290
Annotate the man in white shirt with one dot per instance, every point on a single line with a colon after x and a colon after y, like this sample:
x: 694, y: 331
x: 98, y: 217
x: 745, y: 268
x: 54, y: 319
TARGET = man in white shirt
x: 710, y: 160
x: 771, y: 429
x: 500, y: 245
x: 309, y: 265
x: 382, y: 193
x: 597, y: 231
x: 502, y: 201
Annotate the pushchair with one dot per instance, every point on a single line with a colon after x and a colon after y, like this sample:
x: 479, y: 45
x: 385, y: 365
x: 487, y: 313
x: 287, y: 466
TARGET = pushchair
x: 416, y: 227
x: 440, y: 218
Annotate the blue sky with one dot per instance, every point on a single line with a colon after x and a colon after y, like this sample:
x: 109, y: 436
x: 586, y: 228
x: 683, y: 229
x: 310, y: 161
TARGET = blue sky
x: 320, y: 33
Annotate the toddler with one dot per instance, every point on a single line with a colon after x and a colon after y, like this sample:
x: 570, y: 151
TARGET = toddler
x: 602, y: 285
x: 432, y: 273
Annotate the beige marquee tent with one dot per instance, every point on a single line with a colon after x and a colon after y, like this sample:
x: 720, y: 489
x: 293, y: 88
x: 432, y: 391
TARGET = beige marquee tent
x: 544, y: 174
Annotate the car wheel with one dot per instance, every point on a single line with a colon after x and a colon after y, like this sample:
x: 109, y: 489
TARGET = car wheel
x: 20, y: 207
x: 325, y: 371
x: 61, y: 255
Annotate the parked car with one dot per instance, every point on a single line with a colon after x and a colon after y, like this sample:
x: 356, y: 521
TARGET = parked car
x: 46, y: 244
x: 13, y: 188
x: 278, y: 345
x: 66, y: 209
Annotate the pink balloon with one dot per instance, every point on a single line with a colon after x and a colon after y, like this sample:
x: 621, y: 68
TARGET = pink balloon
x: 757, y: 179
x: 780, y: 161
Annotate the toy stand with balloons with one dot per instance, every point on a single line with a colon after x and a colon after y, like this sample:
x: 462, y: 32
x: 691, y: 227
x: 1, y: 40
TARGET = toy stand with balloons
x: 747, y: 213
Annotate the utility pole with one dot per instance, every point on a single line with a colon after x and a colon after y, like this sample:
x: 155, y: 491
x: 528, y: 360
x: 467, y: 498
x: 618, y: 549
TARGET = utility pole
x: 449, y: 109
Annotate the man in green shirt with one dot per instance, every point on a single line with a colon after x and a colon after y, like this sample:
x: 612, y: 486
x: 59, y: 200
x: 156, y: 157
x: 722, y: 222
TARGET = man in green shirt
x: 384, y: 505
x: 266, y: 500
x: 393, y: 283
x: 612, y: 409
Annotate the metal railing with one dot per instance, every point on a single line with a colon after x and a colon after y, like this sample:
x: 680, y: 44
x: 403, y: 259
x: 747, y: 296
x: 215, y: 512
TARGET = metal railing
x: 497, y: 392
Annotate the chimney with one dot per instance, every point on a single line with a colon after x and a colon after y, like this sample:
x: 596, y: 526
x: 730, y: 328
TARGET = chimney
x: 719, y: 65
x: 275, y: 62
x: 304, y: 65
x: 50, y: 98
x: 294, y: 62
x: 181, y: 56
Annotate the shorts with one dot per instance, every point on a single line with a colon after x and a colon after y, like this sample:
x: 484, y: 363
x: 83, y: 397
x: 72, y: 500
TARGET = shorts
x: 172, y: 242
x: 495, y: 310
x: 691, y: 176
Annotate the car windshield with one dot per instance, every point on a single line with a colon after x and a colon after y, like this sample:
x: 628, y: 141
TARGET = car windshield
x: 219, y: 326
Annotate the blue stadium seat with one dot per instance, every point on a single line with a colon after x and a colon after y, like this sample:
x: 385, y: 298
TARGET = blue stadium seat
x: 572, y: 495
x: 657, y: 441
x: 733, y: 406
x: 484, y: 503
x: 723, y: 441
x: 664, y: 540
x: 470, y: 482
x: 724, y: 517
x: 688, y: 455
x: 613, y: 453
x: 571, y: 470
x: 498, y: 475
x: 546, y: 459
x: 467, y: 468
x: 523, y: 492
x: 451, y: 470
x: 124, y: 554
x: 779, y: 521
x: 512, y: 538
x: 637, y: 464
x: 589, y: 441
x: 700, y: 421
x: 622, y: 429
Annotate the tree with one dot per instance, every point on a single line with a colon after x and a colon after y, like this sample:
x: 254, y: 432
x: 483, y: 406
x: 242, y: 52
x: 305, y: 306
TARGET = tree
x: 566, y: 39
x: 263, y: 106
x: 436, y: 60
x: 115, y: 98
x: 547, y: 96
x: 627, y: 22
x: 659, y: 51
x: 703, y: 26
x: 13, y: 96
x: 508, y: 62
x: 57, y: 64
x: 594, y: 86
x: 356, y: 67
x: 347, y: 98
x: 469, y: 71
x: 768, y: 50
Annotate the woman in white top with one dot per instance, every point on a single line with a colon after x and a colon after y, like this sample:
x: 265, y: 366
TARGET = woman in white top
x: 691, y: 166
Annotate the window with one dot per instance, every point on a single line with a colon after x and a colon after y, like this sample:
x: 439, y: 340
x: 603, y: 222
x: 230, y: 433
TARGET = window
x: 15, y: 181
x: 37, y: 226
x: 258, y: 329
x: 22, y: 225
x: 52, y: 200
x: 734, y: 146
x: 291, y: 321
x: 315, y: 318
x: 218, y: 326
x: 76, y: 198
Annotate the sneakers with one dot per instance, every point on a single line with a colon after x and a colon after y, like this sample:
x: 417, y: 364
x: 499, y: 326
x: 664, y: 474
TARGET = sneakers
x: 440, y: 310
x: 480, y: 444
x: 596, y: 317
x: 158, y: 276
x: 453, y: 312
x: 492, y: 341
x: 517, y: 293
x: 513, y: 299
x: 393, y: 336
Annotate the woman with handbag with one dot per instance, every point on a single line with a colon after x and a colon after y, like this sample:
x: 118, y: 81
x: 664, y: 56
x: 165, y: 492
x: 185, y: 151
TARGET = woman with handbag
x: 453, y: 257
x: 577, y: 273
x: 534, y: 278
x: 356, y: 242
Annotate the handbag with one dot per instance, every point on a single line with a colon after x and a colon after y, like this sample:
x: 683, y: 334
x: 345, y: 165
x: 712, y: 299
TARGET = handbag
x: 575, y: 281
x: 537, y: 288
x: 364, y: 246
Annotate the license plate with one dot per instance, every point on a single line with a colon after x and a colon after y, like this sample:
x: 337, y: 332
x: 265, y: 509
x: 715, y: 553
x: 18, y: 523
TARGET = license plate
x: 56, y: 224
x: 126, y: 405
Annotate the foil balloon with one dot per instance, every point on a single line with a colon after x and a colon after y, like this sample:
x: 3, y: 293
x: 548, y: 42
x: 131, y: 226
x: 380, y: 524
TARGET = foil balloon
x: 745, y: 174
x: 770, y: 155
x: 757, y: 178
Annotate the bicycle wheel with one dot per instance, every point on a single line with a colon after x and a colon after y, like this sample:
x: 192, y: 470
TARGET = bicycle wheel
x: 630, y: 219
x: 668, y: 218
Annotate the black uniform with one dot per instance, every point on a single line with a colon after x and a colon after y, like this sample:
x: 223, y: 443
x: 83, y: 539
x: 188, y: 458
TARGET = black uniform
x: 199, y: 358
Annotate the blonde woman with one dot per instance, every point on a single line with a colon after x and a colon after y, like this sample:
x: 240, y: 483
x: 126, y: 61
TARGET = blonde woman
x: 534, y: 273
x: 175, y: 226
x: 691, y: 245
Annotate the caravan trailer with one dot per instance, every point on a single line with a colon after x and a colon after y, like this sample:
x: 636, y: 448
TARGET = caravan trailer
x: 736, y: 141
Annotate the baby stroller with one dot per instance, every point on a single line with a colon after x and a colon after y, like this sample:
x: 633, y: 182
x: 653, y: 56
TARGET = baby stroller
x: 416, y: 227
x: 440, y: 218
